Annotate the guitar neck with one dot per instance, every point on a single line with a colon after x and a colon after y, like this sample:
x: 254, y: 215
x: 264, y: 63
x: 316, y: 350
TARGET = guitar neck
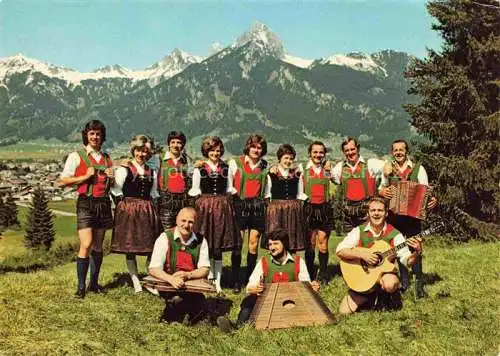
x: 402, y: 245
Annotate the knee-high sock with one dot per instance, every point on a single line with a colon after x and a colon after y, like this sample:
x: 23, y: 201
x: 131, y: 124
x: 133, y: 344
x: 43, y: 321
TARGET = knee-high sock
x: 218, y: 274
x: 235, y: 265
x: 323, y: 261
x: 132, y: 270
x: 148, y: 261
x: 95, y: 267
x: 309, y: 257
x: 211, y: 274
x: 417, y: 269
x: 251, y: 263
x: 404, y: 276
x: 82, y: 266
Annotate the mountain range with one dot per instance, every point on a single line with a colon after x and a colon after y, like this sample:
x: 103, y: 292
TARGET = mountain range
x: 252, y: 85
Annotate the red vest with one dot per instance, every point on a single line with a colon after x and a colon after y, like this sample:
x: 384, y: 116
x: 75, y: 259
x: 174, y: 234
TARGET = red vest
x: 357, y: 185
x: 172, y: 176
x: 249, y: 182
x: 180, y: 257
x: 97, y: 186
x: 316, y: 186
x: 366, y: 238
x: 410, y: 173
x: 280, y: 273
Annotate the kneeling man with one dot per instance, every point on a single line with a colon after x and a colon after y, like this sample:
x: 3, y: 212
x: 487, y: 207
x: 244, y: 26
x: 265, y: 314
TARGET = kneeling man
x: 278, y: 267
x: 179, y: 255
x: 363, y: 236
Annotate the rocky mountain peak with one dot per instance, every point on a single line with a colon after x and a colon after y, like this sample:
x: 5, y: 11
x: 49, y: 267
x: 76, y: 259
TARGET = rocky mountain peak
x: 260, y: 36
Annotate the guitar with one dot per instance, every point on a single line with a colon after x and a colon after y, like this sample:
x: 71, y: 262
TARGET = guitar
x: 361, y: 277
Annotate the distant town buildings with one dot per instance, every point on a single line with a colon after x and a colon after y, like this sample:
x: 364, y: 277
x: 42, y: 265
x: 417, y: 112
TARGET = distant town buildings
x: 21, y: 178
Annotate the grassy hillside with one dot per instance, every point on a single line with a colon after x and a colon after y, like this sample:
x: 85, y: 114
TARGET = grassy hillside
x: 460, y: 316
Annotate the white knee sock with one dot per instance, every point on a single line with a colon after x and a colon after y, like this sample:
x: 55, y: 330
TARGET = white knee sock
x: 132, y: 270
x: 211, y: 273
x: 218, y: 275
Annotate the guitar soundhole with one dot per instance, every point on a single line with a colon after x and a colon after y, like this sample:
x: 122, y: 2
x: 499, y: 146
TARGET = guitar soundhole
x: 288, y: 304
x: 380, y: 258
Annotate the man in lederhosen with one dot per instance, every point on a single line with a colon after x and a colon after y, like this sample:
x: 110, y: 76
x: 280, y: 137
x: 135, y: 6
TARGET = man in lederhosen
x: 90, y: 169
x: 173, y: 179
x: 401, y: 168
x: 248, y: 174
x: 357, y: 179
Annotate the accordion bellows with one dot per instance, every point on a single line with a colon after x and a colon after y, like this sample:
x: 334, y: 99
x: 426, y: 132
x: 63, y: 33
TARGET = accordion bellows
x: 410, y: 199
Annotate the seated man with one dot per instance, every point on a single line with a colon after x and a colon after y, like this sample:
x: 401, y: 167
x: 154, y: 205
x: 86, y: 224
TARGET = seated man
x: 362, y: 236
x: 179, y: 255
x: 279, y: 267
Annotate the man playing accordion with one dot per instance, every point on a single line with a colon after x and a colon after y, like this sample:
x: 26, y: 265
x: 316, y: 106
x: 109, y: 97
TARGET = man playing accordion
x: 401, y: 168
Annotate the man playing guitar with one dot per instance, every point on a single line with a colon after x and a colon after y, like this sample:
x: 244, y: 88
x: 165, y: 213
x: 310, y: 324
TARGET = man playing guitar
x: 402, y: 168
x: 363, y: 236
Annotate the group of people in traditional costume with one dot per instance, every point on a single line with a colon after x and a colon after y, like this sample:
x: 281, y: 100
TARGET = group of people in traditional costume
x: 183, y: 217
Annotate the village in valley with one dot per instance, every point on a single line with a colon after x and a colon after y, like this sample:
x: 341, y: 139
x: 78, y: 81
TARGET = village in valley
x: 21, y: 178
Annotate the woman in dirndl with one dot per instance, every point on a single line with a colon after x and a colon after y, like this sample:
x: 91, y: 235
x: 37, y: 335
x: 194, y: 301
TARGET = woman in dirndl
x: 216, y: 220
x: 285, y: 190
x: 137, y: 224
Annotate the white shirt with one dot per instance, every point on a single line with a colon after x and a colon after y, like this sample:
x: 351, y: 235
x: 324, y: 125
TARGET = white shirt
x: 352, y: 240
x: 258, y: 272
x: 73, y: 161
x: 284, y: 172
x: 316, y: 167
x: 374, y: 166
x: 233, y: 168
x: 195, y: 187
x: 421, y: 177
x: 169, y: 155
x: 121, y: 175
x: 160, y: 250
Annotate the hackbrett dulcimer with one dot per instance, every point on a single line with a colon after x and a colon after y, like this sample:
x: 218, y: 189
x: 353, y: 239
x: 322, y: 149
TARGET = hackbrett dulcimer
x: 410, y: 199
x: 290, y: 304
x: 361, y: 277
x: 191, y: 286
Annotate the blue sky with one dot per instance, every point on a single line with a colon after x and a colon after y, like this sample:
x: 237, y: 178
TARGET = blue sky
x: 85, y: 35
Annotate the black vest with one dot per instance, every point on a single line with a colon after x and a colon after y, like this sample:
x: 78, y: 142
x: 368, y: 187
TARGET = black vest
x: 214, y: 183
x: 136, y: 186
x: 284, y: 188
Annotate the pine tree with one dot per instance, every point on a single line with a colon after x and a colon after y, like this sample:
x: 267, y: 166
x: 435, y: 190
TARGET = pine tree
x: 11, y: 219
x: 458, y: 111
x: 40, y: 227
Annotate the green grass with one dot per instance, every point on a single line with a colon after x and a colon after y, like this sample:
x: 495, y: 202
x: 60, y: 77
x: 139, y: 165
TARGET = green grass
x: 460, y: 316
x: 12, y: 240
x: 36, y: 150
x: 66, y: 205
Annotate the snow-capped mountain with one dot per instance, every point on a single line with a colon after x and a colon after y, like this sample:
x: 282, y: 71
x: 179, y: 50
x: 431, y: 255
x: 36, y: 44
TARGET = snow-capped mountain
x: 260, y: 36
x: 252, y: 85
x: 169, y: 66
x: 357, y: 61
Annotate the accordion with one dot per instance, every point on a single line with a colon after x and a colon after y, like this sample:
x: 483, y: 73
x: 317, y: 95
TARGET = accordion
x: 410, y: 199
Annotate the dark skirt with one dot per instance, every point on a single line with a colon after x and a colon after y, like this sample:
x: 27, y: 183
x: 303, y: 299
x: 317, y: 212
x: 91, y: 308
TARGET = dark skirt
x: 136, y: 227
x: 288, y: 215
x: 319, y: 217
x: 216, y: 222
x: 169, y: 206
